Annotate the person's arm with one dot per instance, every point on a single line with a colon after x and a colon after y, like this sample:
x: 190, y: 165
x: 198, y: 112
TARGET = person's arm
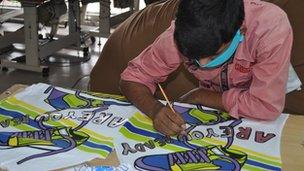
x: 204, y: 97
x: 139, y: 79
x: 164, y: 120
x: 141, y: 97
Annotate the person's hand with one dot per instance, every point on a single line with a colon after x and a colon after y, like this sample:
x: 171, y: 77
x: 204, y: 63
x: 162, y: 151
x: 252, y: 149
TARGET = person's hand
x: 168, y: 122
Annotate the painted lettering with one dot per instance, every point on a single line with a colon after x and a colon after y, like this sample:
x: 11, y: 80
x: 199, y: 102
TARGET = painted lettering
x: 227, y: 131
x: 183, y: 138
x: 197, y: 135
x: 102, y: 118
x: 192, y: 156
x: 140, y: 147
x: 86, y: 116
x: 43, y: 118
x: 260, y: 136
x: 56, y: 116
x: 211, y: 133
x: 161, y: 141
x: 127, y: 149
x: 150, y: 144
x: 5, y: 123
x: 244, y: 133
x: 71, y: 115
x: 116, y: 121
x: 39, y: 134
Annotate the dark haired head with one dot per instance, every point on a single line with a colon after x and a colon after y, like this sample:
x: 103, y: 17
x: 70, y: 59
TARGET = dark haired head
x: 203, y: 26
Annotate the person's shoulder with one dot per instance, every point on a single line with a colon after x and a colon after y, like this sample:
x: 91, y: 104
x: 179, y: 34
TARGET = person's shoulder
x: 169, y: 32
x: 164, y: 46
x: 265, y: 13
x: 166, y: 39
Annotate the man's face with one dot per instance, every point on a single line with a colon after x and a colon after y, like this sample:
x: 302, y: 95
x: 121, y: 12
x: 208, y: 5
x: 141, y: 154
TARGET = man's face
x: 204, y: 60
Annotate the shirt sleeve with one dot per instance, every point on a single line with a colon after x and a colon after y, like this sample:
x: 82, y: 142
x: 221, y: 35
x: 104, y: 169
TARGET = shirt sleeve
x: 155, y: 63
x: 265, y: 97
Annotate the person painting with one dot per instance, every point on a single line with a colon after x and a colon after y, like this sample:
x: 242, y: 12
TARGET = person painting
x: 239, y: 50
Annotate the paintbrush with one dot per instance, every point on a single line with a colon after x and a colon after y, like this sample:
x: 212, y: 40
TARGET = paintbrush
x: 170, y: 105
x: 166, y: 98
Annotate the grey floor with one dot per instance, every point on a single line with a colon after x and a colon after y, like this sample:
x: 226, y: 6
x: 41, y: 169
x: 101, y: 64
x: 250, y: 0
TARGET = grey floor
x: 63, y: 72
x: 64, y: 76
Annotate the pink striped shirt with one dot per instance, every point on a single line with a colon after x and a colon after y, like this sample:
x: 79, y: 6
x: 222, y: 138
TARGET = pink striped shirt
x: 256, y: 77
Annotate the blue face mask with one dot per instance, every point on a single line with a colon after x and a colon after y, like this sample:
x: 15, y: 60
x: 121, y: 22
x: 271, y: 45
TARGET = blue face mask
x: 226, y: 55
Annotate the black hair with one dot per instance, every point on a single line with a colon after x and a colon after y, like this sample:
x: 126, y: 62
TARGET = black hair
x: 203, y: 26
